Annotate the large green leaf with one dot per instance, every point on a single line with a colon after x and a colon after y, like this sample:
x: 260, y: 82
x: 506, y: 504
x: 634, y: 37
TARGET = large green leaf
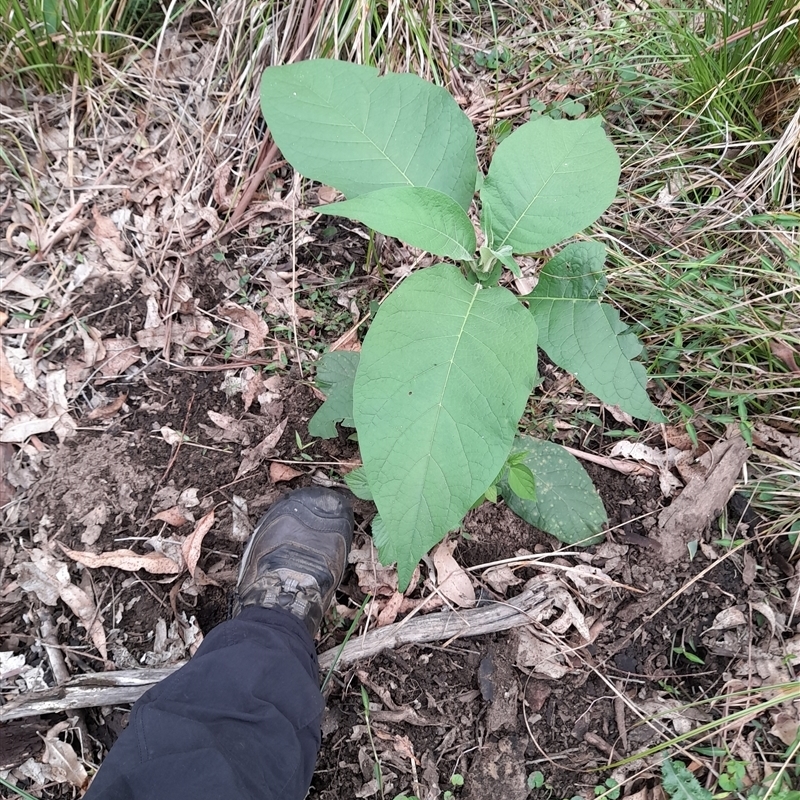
x: 341, y: 124
x: 567, y: 504
x: 445, y: 373
x: 335, y: 375
x: 587, y: 337
x: 548, y: 180
x: 422, y: 217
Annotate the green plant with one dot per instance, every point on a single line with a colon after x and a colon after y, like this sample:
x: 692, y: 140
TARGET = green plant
x: 609, y: 789
x: 450, y: 360
x: 733, y: 777
x: 679, y: 783
x: 535, y: 780
x: 54, y: 39
x: 377, y: 769
x: 456, y: 781
x: 735, y: 61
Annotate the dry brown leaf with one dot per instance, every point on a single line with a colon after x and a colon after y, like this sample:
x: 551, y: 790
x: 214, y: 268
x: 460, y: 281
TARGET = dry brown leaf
x: 677, y: 437
x: 61, y: 757
x: 93, y: 522
x: 111, y: 246
x: 282, y: 472
x: 171, y: 436
x: 389, y: 612
x: 543, y: 656
x: 500, y: 578
x: 786, y: 353
x: 107, y: 411
x: 10, y: 385
x: 180, y: 333
x: 253, y: 456
x: 373, y: 577
x: 786, y: 727
x: 121, y: 353
x: 571, y: 616
x: 229, y: 429
x: 348, y: 341
x: 48, y: 578
x: 452, y: 581
x: 172, y: 516
x: 252, y: 386
x: 404, y: 747
x: 665, y: 460
x: 93, y: 349
x: 22, y: 285
x: 7, y: 489
x: 700, y: 503
x: 326, y: 194
x: 248, y: 319
x: 25, y: 425
x: 285, y: 297
x: 192, y: 547
x: 767, y: 437
x: 127, y: 560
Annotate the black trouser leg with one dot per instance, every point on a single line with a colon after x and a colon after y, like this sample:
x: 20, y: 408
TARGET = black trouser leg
x: 240, y: 720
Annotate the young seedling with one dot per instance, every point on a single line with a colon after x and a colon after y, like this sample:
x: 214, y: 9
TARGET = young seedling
x: 450, y: 360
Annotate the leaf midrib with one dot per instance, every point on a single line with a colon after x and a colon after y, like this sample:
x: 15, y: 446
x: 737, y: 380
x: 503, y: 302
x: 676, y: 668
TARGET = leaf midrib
x: 351, y: 124
x: 444, y: 388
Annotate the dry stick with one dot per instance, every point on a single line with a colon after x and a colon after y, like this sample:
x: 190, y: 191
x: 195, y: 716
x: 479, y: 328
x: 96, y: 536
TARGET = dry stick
x: 127, y: 686
x: 266, y: 156
x: 625, y: 467
x: 58, y: 666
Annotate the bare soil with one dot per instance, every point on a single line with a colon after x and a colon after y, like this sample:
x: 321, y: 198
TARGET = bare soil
x: 460, y: 708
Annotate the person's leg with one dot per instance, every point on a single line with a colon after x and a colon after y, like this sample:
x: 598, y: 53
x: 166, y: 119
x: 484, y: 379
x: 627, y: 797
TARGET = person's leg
x: 242, y: 718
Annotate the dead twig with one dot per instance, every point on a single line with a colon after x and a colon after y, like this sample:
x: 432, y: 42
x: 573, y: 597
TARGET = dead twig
x: 127, y: 686
x: 625, y: 467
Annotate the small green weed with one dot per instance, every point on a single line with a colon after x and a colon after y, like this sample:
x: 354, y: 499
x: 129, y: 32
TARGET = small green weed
x: 378, y: 770
x: 456, y: 781
x: 609, y: 789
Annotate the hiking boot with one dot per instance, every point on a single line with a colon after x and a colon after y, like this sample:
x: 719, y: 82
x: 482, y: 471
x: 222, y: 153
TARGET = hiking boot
x: 297, y: 554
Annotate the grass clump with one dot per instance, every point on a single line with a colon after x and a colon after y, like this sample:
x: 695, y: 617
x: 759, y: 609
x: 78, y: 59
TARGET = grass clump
x: 57, y: 39
x: 735, y: 62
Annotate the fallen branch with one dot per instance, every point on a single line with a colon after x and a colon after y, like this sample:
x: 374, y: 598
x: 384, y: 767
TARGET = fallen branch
x: 86, y: 691
x: 530, y: 606
x: 127, y: 686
